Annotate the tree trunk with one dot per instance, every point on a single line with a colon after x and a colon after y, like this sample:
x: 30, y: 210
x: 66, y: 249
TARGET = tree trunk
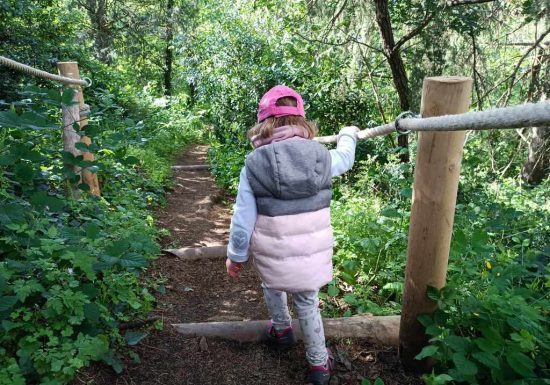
x: 537, y: 166
x: 169, y: 51
x: 103, y: 37
x: 393, y: 56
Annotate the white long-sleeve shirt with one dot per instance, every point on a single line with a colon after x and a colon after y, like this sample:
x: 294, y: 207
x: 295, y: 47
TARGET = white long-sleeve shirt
x: 245, y: 211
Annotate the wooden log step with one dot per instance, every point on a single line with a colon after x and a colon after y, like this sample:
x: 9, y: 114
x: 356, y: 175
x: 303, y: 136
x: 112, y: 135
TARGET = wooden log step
x: 194, y: 253
x: 382, y: 330
x: 192, y: 167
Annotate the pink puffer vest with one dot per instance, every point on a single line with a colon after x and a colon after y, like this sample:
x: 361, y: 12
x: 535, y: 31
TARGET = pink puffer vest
x: 292, y: 240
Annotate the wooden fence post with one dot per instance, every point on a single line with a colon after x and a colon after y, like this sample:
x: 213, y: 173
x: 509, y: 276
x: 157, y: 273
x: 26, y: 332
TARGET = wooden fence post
x: 70, y: 69
x: 436, y: 176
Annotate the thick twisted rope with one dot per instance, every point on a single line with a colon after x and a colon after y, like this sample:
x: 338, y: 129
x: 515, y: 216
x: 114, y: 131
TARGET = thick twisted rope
x: 41, y: 74
x: 526, y: 115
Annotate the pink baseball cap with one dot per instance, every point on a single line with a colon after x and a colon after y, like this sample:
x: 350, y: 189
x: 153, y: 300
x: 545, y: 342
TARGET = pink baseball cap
x: 268, y: 107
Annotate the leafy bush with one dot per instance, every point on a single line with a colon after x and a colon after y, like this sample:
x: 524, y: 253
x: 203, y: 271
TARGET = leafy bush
x: 497, y: 335
x: 70, y: 268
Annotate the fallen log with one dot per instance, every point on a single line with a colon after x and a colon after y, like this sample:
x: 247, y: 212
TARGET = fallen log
x: 192, y: 167
x: 383, y: 330
x: 194, y: 253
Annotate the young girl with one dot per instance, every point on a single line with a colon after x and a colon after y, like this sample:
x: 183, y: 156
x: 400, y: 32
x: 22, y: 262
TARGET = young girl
x: 282, y: 218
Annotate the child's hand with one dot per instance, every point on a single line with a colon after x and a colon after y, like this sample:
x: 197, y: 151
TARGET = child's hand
x: 233, y: 268
x: 351, y: 131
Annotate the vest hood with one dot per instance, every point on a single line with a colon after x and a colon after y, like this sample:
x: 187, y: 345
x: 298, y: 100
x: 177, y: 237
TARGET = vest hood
x: 292, y: 169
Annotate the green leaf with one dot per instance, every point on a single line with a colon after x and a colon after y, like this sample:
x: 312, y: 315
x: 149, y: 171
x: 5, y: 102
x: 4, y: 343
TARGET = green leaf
x: 333, y: 290
x: 350, y: 265
x: 54, y: 97
x: 91, y: 130
x: 406, y: 192
x: 365, y: 381
x: 28, y: 119
x: 41, y: 200
x: 69, y: 158
x: 7, y: 159
x: 492, y: 335
x: 92, y: 230
x: 350, y: 299
x: 81, y: 146
x: 441, y: 379
x: 92, y: 312
x: 84, y: 262
x: 378, y: 381
x: 24, y: 288
x: 7, y: 302
x: 118, y: 247
x: 457, y: 343
x: 425, y: 319
x: 463, y: 365
x: 110, y: 358
x: 487, y: 345
x: 487, y: 359
x: 24, y: 172
x: 67, y: 97
x: 130, y: 160
x: 433, y: 293
x: 90, y: 290
x: 33, y: 156
x: 520, y: 363
x: 427, y: 351
x: 132, y: 338
x: 55, y: 204
x: 133, y: 260
x: 390, y: 212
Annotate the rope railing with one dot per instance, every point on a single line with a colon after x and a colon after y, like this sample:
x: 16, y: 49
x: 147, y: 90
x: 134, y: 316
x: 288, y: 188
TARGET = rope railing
x: 42, y: 74
x: 526, y: 115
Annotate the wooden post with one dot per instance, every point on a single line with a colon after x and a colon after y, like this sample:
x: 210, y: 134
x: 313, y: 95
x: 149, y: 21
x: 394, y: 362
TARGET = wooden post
x: 436, y: 176
x: 70, y: 69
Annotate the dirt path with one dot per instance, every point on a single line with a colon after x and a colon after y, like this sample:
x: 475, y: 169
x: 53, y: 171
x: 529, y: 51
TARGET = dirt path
x: 197, y: 214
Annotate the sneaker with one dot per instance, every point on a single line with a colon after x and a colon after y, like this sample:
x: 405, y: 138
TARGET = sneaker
x: 320, y: 374
x: 284, y: 339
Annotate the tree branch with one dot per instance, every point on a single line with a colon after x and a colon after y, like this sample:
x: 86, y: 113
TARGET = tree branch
x: 357, y: 41
x: 475, y: 74
x: 415, y: 31
x: 337, y: 15
x: 454, y: 3
x: 516, y: 69
x: 312, y: 40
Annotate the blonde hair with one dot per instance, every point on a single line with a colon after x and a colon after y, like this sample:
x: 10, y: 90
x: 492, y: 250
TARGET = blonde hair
x: 264, y: 129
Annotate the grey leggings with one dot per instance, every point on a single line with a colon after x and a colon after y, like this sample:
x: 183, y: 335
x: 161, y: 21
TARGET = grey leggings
x: 306, y: 304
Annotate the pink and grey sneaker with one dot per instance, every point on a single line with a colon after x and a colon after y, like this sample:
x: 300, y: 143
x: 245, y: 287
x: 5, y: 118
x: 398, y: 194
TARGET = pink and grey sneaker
x: 283, y: 339
x: 320, y: 374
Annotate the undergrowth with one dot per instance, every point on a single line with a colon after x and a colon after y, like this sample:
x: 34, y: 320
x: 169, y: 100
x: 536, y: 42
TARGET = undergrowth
x: 71, y: 268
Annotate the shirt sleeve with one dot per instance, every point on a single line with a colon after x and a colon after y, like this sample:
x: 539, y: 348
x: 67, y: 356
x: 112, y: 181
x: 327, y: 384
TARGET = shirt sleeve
x: 243, y: 221
x: 343, y: 156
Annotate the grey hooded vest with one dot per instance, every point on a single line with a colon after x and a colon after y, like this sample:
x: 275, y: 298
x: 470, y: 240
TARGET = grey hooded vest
x: 290, y: 177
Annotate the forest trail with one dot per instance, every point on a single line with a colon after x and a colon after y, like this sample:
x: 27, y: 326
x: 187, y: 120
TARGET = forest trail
x: 197, y: 214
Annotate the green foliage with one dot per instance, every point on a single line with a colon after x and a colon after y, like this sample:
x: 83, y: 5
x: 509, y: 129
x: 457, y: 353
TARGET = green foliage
x: 378, y: 381
x: 70, y: 268
x: 496, y: 335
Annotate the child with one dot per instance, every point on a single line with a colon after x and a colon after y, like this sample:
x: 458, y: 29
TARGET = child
x: 282, y: 217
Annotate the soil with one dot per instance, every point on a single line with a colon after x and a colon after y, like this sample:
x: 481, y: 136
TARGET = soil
x: 198, y: 213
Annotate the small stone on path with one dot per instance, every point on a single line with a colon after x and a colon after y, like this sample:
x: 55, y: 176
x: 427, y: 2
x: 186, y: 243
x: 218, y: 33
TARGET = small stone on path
x: 203, y: 346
